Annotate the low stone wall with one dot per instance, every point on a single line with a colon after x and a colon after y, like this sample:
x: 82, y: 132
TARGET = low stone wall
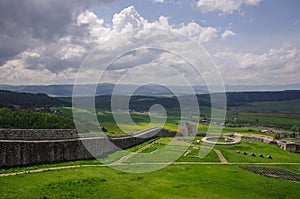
x: 29, y: 147
x: 235, y: 140
x: 253, y: 138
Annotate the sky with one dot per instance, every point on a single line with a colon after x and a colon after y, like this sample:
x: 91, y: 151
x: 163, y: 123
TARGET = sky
x: 251, y: 42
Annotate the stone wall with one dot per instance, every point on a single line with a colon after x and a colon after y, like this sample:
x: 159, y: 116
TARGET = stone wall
x: 288, y: 146
x: 285, y: 145
x: 19, y: 153
x: 29, y: 147
x: 253, y: 138
x: 37, y: 134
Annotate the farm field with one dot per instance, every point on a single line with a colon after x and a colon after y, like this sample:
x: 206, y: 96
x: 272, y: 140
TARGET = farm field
x: 279, y: 120
x: 285, y: 106
x: 254, y: 122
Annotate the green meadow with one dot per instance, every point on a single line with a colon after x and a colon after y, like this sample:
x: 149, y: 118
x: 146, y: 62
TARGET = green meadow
x: 189, y: 177
x: 278, y: 155
x: 174, y: 181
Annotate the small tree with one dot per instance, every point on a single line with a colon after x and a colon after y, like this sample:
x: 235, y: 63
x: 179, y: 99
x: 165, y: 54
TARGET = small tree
x: 295, y: 128
x: 277, y: 136
x: 257, y: 121
x: 293, y: 135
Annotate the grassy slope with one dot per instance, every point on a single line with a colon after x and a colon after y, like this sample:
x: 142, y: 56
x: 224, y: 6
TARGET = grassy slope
x: 279, y: 155
x: 287, y: 106
x: 175, y: 181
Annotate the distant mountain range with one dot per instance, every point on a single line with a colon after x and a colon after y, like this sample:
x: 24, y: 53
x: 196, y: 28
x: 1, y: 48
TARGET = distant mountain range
x: 102, y: 89
x: 29, y: 100
x: 142, y: 102
x: 124, y: 89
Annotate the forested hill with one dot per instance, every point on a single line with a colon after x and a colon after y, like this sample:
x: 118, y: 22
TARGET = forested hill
x: 238, y: 98
x: 28, y: 100
x: 141, y: 102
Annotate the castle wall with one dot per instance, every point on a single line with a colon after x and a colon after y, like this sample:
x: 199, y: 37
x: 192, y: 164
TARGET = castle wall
x: 19, y: 153
x: 37, y: 134
x: 35, y: 146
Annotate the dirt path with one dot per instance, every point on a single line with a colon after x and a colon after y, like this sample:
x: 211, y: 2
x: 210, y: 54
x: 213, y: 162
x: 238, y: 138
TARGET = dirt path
x: 221, y: 157
x: 126, y: 157
x: 175, y: 163
x: 51, y: 169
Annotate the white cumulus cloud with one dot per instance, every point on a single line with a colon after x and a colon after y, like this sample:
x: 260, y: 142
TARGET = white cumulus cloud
x: 158, y: 1
x: 57, y: 61
x: 128, y: 19
x: 224, y: 6
x: 274, y: 66
x: 227, y: 33
x: 198, y: 33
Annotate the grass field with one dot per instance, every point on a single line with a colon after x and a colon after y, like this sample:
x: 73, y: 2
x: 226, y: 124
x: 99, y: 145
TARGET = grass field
x: 174, y: 181
x: 193, y: 156
x: 152, y: 154
x: 182, y: 180
x: 278, y: 155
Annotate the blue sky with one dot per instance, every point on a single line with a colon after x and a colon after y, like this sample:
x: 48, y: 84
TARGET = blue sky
x: 252, y: 42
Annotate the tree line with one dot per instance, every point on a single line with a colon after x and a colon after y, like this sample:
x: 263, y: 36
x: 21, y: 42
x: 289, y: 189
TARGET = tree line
x: 24, y: 119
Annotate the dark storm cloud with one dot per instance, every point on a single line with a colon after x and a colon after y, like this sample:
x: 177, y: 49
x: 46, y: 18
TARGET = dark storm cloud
x: 28, y: 24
